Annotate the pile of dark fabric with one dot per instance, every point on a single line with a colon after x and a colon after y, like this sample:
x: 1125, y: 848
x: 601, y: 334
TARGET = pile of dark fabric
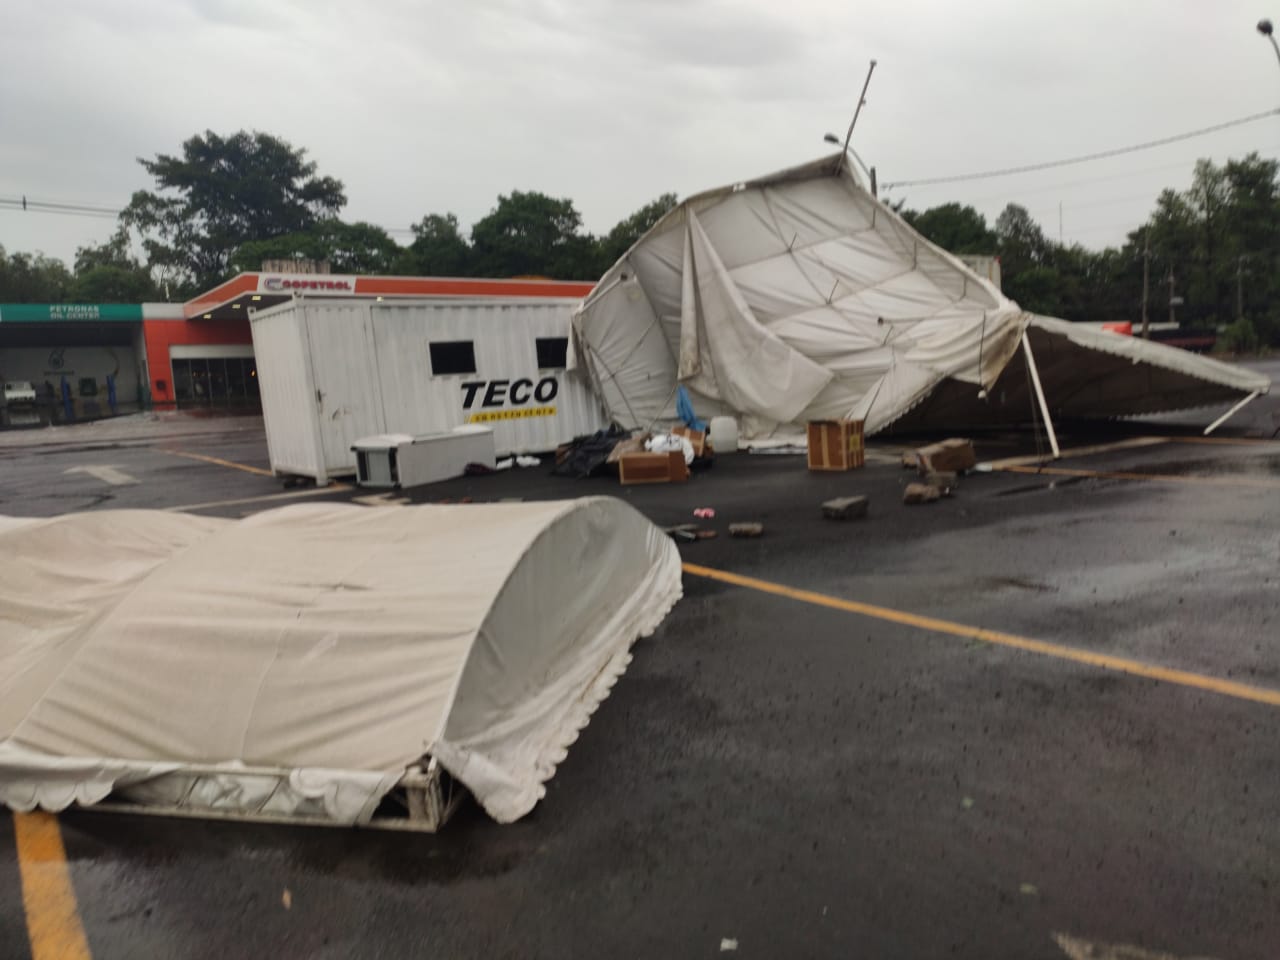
x: 587, y: 456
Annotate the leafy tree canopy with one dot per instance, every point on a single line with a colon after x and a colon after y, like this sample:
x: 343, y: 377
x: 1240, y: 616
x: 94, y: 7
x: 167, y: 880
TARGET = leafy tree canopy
x: 348, y: 247
x: 532, y: 234
x: 224, y: 192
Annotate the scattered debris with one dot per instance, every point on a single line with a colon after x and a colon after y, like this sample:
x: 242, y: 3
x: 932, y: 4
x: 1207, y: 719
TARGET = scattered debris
x: 704, y: 513
x: 966, y: 803
x: 697, y: 440
x: 286, y: 899
x: 688, y: 532
x: 728, y: 945
x: 746, y: 529
x: 845, y: 508
x: 627, y: 445
x: 920, y: 493
x: 524, y: 461
x: 944, y: 480
x: 910, y: 461
x: 1028, y: 889
x: 589, y: 455
x: 670, y: 442
x: 950, y: 455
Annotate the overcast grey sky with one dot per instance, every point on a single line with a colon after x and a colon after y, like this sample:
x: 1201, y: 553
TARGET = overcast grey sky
x: 429, y: 107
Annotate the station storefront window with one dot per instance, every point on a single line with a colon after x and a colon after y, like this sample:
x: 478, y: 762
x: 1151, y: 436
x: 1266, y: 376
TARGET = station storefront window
x: 216, y: 381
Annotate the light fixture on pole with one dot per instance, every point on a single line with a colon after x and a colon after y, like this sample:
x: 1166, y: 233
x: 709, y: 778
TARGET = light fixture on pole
x: 1265, y: 28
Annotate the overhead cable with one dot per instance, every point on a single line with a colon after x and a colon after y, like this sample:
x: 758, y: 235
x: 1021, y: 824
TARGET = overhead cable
x: 1032, y: 167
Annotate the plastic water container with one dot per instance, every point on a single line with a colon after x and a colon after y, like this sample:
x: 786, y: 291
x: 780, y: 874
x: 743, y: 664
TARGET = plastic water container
x: 724, y: 434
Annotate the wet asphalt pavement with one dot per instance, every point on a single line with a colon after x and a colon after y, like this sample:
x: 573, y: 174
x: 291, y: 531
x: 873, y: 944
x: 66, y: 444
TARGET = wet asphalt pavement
x: 805, y: 781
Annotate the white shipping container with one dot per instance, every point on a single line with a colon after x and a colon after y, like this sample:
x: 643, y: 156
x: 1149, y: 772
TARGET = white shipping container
x: 333, y: 371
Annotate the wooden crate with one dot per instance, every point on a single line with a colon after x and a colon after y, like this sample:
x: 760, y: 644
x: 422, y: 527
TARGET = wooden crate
x: 653, y: 467
x: 835, y: 444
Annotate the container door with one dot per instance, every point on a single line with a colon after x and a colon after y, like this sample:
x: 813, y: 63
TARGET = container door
x: 345, y: 373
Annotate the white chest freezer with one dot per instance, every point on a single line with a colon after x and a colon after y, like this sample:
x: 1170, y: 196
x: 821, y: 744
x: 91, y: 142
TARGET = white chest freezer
x: 391, y: 460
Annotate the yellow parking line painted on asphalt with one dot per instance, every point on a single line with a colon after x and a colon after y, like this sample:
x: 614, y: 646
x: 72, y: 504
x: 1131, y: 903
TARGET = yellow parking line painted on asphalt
x: 1137, y: 668
x: 266, y: 498
x: 220, y: 462
x: 1259, y: 483
x: 53, y: 921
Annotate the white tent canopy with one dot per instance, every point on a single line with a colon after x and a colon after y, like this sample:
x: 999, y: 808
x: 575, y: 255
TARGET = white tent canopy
x: 800, y: 296
x: 337, y: 647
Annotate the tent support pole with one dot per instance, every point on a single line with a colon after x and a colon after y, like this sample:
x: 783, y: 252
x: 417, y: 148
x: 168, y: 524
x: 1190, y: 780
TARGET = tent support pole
x: 1230, y: 413
x: 1044, y: 406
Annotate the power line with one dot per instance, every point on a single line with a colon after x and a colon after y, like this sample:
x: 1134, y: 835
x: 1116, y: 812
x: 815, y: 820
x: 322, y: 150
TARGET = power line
x: 28, y: 205
x: 1032, y: 167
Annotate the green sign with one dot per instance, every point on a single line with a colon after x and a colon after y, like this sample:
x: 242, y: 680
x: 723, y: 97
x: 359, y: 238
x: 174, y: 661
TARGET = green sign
x: 61, y: 312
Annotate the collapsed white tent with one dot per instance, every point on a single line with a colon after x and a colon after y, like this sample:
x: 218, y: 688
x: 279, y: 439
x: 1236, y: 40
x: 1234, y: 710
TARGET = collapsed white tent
x: 303, y: 662
x: 799, y: 296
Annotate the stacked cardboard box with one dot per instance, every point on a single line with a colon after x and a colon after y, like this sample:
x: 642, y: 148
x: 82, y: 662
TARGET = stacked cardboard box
x: 836, y: 444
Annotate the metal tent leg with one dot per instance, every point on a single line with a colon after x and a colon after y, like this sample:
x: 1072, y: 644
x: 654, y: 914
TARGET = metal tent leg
x: 1044, y: 406
x: 1230, y: 413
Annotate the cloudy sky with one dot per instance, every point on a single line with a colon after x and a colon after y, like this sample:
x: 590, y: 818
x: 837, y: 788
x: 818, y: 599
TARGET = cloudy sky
x: 427, y: 107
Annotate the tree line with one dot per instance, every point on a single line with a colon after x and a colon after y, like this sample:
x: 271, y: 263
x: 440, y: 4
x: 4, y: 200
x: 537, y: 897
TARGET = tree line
x: 226, y: 204
x: 1216, y: 246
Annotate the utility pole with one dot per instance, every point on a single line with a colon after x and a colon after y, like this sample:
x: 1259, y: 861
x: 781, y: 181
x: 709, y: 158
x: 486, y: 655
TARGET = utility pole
x: 1059, y: 223
x: 1146, y: 279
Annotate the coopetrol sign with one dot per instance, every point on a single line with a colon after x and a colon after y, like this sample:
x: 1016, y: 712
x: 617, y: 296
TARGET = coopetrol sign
x: 302, y: 283
x: 510, y: 399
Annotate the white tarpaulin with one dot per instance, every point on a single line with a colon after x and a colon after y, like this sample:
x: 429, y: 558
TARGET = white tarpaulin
x: 800, y: 296
x: 336, y: 645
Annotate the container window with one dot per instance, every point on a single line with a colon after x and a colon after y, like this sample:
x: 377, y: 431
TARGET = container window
x: 552, y: 352
x: 453, y: 356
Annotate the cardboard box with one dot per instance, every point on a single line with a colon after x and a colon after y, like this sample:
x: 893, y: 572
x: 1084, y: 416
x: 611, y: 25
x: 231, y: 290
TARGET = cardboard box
x: 835, y: 444
x: 696, y: 437
x: 626, y: 447
x: 653, y: 467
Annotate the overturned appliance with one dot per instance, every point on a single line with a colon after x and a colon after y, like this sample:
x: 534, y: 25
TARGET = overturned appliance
x: 320, y: 663
x: 800, y: 297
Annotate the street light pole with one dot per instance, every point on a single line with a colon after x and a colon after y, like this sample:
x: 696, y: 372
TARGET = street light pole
x: 1265, y: 28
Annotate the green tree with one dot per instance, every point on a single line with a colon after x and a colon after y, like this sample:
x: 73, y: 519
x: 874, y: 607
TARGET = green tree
x: 621, y: 238
x: 348, y: 247
x: 224, y: 192
x: 109, y: 273
x: 33, y: 278
x: 438, y: 249
x: 531, y: 234
x: 956, y: 228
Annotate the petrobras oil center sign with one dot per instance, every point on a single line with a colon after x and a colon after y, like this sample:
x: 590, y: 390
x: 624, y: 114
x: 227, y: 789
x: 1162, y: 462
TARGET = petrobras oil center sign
x: 327, y: 285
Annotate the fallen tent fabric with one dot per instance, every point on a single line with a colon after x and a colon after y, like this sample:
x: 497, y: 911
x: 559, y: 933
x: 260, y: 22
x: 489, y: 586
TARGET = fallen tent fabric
x: 336, y: 645
x: 799, y: 296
